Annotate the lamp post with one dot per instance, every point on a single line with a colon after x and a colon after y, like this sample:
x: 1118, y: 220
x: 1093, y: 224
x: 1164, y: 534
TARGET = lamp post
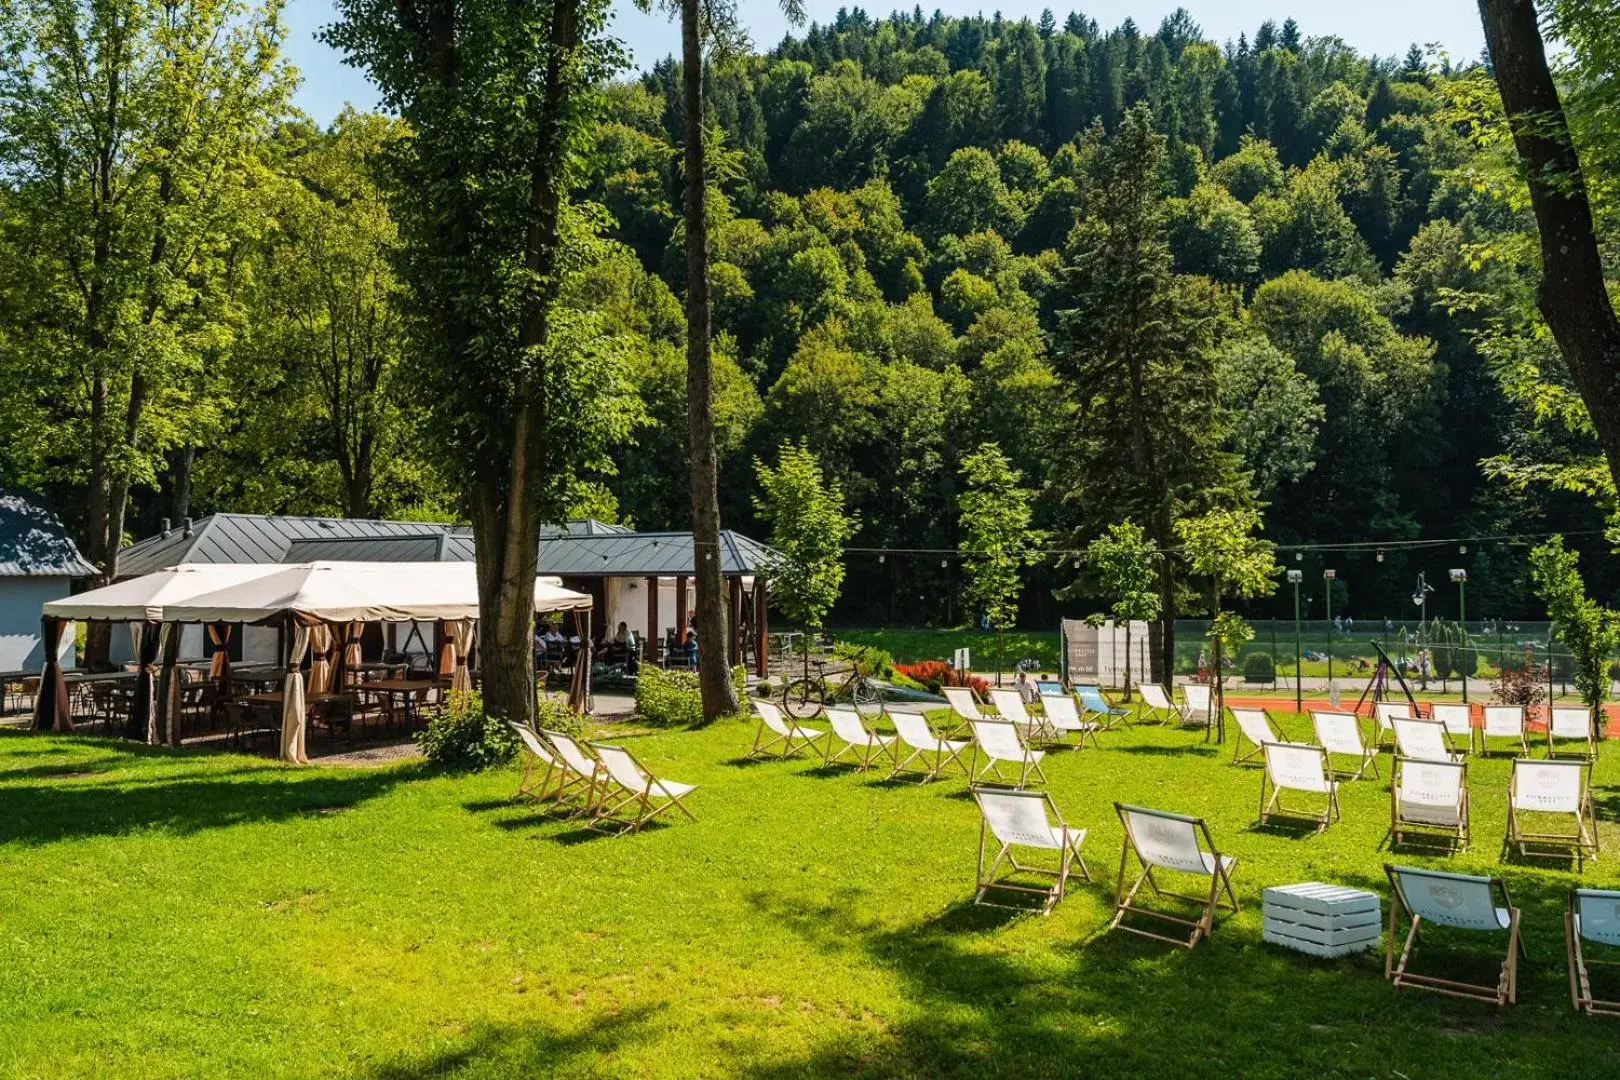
x: 1461, y: 578
x: 1327, y: 613
x: 1420, y: 597
x: 1294, y: 578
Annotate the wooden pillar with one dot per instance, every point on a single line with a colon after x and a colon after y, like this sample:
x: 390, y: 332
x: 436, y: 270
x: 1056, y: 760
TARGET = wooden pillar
x: 734, y: 611
x: 680, y: 610
x: 762, y: 659
x: 652, y: 621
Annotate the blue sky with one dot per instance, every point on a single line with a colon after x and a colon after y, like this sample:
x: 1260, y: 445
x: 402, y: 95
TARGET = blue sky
x: 1377, y: 26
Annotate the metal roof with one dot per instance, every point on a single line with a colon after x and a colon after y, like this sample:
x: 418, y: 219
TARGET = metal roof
x: 254, y: 538
x: 33, y: 542
x: 423, y: 547
x: 646, y: 555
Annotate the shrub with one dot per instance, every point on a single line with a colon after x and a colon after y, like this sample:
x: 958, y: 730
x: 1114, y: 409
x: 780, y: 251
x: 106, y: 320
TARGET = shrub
x: 869, y: 660
x: 673, y: 698
x: 932, y: 674
x: 1258, y: 667
x: 464, y: 737
x: 1523, y: 684
x: 554, y: 715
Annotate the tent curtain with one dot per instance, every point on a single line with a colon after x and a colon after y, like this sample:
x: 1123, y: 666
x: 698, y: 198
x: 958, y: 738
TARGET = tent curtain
x: 148, y: 639
x: 352, y: 654
x: 579, y: 688
x: 461, y: 636
x: 447, y: 650
x: 52, y: 711
x: 220, y: 666
x: 170, y: 686
x: 321, y: 642
x: 292, y: 698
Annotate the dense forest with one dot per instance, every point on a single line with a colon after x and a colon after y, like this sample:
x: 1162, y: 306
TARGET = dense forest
x: 1162, y: 274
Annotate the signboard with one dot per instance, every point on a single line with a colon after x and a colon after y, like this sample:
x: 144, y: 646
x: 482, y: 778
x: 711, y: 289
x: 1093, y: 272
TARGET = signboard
x: 1098, y: 654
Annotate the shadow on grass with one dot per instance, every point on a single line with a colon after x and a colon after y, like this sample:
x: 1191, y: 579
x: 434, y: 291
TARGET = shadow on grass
x: 1151, y: 750
x: 511, y: 1050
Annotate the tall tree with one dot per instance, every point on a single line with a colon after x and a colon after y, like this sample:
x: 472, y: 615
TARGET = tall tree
x: 1124, y: 564
x: 525, y: 394
x: 997, y: 540
x: 809, y: 527
x: 1573, y: 295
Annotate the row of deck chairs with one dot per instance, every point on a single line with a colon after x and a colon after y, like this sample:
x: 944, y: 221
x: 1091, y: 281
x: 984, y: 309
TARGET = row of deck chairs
x: 1082, y: 715
x: 603, y: 784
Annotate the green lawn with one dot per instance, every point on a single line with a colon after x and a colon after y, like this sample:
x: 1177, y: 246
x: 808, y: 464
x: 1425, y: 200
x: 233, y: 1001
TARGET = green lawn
x: 207, y: 915
x: 908, y: 646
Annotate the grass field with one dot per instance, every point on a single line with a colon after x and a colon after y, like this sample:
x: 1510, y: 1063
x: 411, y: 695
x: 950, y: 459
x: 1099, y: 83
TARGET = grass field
x: 192, y: 914
x: 908, y: 646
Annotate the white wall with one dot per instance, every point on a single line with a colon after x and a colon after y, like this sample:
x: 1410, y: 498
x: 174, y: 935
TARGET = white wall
x: 21, y: 599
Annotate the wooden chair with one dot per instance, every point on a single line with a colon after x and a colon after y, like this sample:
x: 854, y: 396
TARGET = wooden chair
x: 1430, y: 797
x: 1299, y: 768
x: 1458, y: 720
x: 1559, y: 789
x: 1255, y: 728
x: 1000, y: 745
x: 1593, y: 917
x: 1572, y: 723
x: 1024, y: 819
x: 1340, y: 733
x: 1504, y: 722
x: 1170, y: 843
x: 1461, y: 901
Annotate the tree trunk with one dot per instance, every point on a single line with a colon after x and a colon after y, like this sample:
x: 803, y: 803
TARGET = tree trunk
x: 714, y: 676
x: 180, y: 506
x: 1573, y: 296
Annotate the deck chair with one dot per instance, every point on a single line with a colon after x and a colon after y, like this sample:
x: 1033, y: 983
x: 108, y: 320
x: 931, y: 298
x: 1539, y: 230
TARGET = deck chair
x: 1424, y: 740
x: 1049, y: 686
x: 1151, y: 699
x: 1098, y: 706
x: 998, y: 741
x: 785, y: 732
x: 1504, y: 722
x: 536, y: 754
x: 1298, y: 767
x: 634, y: 788
x: 1340, y: 733
x: 1063, y: 718
x: 964, y: 706
x: 1593, y: 916
x: 914, y: 733
x: 1198, y: 710
x: 1457, y: 719
x: 1464, y: 902
x: 851, y: 730
x: 1169, y: 842
x: 1547, y: 788
x: 1386, y: 712
x: 1572, y: 722
x: 1254, y: 728
x: 1430, y: 797
x: 1024, y: 819
x: 582, y: 768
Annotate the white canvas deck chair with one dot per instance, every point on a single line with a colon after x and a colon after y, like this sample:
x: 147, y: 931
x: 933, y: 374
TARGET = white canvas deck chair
x: 1152, y: 700
x: 1062, y: 717
x: 1430, y: 797
x: 1424, y: 740
x: 583, y: 769
x: 1024, y: 819
x: 1009, y: 706
x: 1001, y: 747
x: 1461, y: 901
x: 1539, y: 790
x: 634, y: 789
x: 937, y: 752
x: 1254, y: 728
x: 1458, y: 720
x: 1340, y: 733
x: 1198, y: 709
x: 785, y: 732
x: 964, y: 706
x: 1386, y: 712
x: 851, y: 730
x: 1299, y: 768
x: 1099, y: 710
x: 556, y: 780
x: 1574, y: 724
x: 1593, y: 916
x: 1169, y: 842
x: 1504, y: 722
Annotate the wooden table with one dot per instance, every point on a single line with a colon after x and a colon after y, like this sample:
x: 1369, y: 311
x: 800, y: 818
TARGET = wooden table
x: 410, y: 690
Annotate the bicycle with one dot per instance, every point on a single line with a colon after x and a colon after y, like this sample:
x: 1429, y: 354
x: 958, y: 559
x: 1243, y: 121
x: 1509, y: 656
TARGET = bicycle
x: 805, y: 696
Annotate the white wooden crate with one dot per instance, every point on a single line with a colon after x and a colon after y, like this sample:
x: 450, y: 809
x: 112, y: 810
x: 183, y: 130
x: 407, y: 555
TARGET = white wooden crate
x: 1321, y: 920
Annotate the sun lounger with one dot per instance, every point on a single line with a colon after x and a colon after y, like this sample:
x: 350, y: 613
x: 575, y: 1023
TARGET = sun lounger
x: 1460, y: 901
x: 1024, y: 819
x: 1169, y: 843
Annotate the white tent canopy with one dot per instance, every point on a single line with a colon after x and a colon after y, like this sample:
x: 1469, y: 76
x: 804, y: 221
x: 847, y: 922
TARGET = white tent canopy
x: 341, y: 592
x: 147, y: 598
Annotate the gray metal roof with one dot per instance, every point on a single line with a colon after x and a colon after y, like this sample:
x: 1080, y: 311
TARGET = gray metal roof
x: 33, y: 542
x: 645, y: 555
x: 254, y: 538
x: 424, y: 547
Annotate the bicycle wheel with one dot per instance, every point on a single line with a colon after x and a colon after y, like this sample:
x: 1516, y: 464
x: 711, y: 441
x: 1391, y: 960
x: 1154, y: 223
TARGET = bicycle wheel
x: 866, y: 692
x: 802, y: 698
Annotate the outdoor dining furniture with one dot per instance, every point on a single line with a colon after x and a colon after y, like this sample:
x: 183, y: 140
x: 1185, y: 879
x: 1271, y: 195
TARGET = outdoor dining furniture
x: 402, y: 697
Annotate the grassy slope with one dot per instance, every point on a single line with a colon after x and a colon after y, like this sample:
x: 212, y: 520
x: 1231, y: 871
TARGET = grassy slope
x: 908, y: 646
x: 184, y: 915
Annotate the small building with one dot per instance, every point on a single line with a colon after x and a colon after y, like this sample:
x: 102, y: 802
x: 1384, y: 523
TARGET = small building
x: 38, y: 563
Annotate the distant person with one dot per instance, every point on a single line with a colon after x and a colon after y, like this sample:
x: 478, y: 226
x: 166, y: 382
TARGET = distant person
x: 1349, y: 624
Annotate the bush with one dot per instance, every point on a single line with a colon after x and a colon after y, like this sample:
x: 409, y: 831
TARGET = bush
x: 1258, y: 667
x: 554, y: 715
x: 1523, y: 684
x: 932, y: 674
x: 869, y: 660
x: 463, y: 737
x: 673, y: 698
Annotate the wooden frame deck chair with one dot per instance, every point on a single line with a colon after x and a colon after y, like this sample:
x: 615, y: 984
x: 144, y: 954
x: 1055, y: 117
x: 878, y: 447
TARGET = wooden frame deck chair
x: 637, y: 788
x: 1593, y: 916
x: 1062, y: 717
x: 1151, y: 698
x: 1543, y: 789
x: 1340, y: 733
x: 964, y: 706
x: 1024, y: 819
x: 1386, y: 712
x: 1009, y: 706
x: 1198, y: 709
x: 1096, y: 704
x: 535, y: 754
x: 915, y: 734
x: 1430, y: 797
x: 1458, y: 720
x: 851, y: 730
x: 586, y: 769
x: 1504, y: 722
x: 785, y: 731
x: 1462, y: 901
x: 1254, y: 727
x: 998, y: 741
x: 1301, y: 768
x: 1169, y: 842
x: 1422, y: 739
x: 1572, y: 722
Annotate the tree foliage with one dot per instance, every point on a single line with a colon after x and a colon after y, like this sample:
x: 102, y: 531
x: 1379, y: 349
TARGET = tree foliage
x: 997, y: 540
x: 808, y: 529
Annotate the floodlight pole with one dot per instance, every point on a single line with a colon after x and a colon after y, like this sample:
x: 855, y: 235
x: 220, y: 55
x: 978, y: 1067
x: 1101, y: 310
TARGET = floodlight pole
x: 1327, y: 611
x: 1295, y: 577
x: 1461, y: 578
